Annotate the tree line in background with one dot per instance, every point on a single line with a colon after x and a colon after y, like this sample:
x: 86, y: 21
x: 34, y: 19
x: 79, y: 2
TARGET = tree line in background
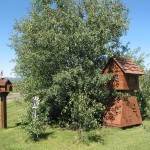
x: 61, y: 48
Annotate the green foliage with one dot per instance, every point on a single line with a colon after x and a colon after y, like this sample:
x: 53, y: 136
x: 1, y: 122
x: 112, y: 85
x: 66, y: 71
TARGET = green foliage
x: 137, y: 56
x: 146, y: 126
x: 61, y: 48
x: 34, y: 126
x: 84, y: 113
x: 88, y: 137
x: 143, y: 95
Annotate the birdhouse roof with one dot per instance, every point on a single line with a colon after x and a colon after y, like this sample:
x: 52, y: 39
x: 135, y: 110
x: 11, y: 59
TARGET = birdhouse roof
x: 127, y: 66
x: 4, y: 81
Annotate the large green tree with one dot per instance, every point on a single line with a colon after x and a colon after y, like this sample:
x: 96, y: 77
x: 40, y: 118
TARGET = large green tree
x: 61, y: 48
x: 143, y: 95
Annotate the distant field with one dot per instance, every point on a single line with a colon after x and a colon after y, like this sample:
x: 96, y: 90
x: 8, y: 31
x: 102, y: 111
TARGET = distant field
x: 14, y: 96
x: 13, y: 138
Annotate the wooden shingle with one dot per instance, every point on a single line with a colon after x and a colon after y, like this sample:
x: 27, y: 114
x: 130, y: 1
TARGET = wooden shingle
x: 128, y: 66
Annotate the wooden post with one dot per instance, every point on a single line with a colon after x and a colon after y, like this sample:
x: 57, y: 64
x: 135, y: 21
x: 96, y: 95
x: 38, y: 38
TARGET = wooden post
x: 3, y: 110
x: 5, y: 88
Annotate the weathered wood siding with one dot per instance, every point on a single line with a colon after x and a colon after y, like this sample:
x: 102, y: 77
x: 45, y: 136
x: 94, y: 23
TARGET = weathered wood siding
x: 122, y: 81
x: 122, y: 113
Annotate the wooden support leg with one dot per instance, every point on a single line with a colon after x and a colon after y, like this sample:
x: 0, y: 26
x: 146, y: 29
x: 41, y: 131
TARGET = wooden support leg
x: 3, y: 111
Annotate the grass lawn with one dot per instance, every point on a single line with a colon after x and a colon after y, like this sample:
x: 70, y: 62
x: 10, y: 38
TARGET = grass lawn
x: 13, y: 138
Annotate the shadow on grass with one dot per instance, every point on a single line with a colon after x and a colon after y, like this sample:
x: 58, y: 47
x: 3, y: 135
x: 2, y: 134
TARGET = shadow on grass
x: 44, y: 136
x: 35, y: 138
x: 18, y: 124
x: 89, y: 137
x: 14, y: 126
x: 96, y: 138
x: 131, y: 127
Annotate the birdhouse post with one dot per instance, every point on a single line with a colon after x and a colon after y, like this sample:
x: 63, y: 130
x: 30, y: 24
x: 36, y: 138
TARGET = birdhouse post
x: 123, y: 112
x: 5, y: 88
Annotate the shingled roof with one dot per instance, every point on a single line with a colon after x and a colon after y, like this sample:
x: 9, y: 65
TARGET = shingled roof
x: 3, y: 81
x: 128, y: 66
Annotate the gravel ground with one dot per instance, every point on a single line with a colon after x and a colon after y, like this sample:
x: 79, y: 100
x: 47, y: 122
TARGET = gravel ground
x: 13, y: 96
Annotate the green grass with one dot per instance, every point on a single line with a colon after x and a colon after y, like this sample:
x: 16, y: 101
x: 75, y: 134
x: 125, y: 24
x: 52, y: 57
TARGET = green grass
x: 14, y: 138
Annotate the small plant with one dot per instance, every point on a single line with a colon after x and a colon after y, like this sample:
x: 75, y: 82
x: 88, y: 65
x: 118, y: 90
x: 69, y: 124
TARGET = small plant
x: 34, y: 121
x: 82, y: 136
x: 91, y: 136
x: 146, y: 126
x: 95, y: 136
x: 35, y: 129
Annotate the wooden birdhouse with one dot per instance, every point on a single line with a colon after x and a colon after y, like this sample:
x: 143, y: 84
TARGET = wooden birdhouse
x: 123, y: 112
x: 5, y: 88
x: 5, y: 85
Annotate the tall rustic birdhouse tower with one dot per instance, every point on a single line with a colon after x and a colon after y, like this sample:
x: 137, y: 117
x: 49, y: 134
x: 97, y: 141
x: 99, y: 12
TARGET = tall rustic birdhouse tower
x: 123, y: 112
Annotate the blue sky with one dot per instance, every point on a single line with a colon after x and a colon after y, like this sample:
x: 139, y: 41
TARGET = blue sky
x: 139, y: 29
x: 9, y: 11
x: 138, y: 34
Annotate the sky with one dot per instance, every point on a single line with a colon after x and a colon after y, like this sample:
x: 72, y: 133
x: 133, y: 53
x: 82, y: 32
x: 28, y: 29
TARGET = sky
x: 138, y: 34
